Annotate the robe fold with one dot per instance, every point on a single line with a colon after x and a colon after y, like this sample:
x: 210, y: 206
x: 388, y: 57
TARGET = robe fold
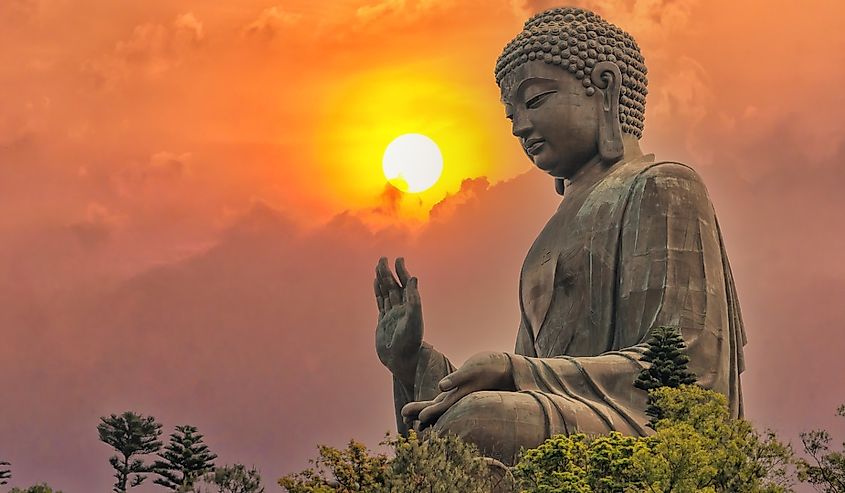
x: 636, y: 248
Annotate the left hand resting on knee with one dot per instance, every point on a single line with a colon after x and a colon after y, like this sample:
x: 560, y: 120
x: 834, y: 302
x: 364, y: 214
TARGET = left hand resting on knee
x: 484, y: 371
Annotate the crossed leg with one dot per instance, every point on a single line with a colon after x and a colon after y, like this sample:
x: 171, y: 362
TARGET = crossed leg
x: 500, y: 424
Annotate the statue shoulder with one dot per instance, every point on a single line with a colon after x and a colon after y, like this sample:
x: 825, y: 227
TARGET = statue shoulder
x: 645, y: 167
x: 663, y: 174
x: 671, y: 182
x: 670, y: 169
x: 632, y: 180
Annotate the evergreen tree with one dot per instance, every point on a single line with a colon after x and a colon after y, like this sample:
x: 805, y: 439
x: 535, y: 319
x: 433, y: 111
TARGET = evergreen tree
x: 439, y: 463
x: 233, y: 479
x: 5, y: 472
x: 132, y: 436
x: 38, y: 488
x: 696, y: 447
x: 579, y: 463
x: 185, y: 459
x: 667, y: 354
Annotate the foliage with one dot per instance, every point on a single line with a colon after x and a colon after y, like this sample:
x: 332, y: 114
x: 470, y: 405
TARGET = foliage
x: 5, y: 472
x: 436, y: 464
x: 826, y: 468
x: 185, y: 459
x: 699, y: 447
x: 676, y: 459
x: 231, y: 479
x: 579, y: 464
x: 132, y: 436
x: 667, y: 354
x: 351, y: 469
x: 38, y: 488
x: 696, y: 447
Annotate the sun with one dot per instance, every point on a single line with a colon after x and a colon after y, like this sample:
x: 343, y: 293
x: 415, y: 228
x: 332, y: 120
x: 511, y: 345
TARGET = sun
x: 412, y: 163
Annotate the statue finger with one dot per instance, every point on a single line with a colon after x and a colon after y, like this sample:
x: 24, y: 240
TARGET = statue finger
x: 411, y: 294
x: 384, y: 291
x: 388, y: 281
x: 402, y: 271
x: 380, y: 279
x: 390, y: 289
x: 395, y: 297
x: 459, y: 377
x: 379, y: 298
x: 411, y: 410
x: 432, y: 413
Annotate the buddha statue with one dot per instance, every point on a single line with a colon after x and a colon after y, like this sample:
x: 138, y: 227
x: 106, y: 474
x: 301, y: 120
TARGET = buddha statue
x: 633, y: 245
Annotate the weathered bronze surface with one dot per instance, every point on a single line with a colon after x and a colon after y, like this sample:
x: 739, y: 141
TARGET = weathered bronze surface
x: 634, y: 244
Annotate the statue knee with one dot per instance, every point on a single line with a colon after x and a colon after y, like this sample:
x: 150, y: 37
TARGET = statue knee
x: 465, y: 416
x: 486, y: 419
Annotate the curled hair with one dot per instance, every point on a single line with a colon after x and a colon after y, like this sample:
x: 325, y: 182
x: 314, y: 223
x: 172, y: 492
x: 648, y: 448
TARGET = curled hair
x: 576, y: 40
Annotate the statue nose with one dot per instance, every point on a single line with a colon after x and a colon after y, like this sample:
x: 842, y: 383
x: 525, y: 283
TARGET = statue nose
x: 521, y: 127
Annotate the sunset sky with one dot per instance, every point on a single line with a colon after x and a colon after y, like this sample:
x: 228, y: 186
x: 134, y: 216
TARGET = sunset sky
x: 192, y: 204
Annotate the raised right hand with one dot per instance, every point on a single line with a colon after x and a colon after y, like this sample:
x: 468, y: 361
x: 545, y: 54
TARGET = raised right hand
x: 399, y: 331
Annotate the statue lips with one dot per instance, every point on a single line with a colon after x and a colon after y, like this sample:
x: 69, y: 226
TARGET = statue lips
x: 533, y: 146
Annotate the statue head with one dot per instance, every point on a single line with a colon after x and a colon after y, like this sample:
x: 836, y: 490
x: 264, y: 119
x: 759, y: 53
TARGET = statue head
x: 573, y: 84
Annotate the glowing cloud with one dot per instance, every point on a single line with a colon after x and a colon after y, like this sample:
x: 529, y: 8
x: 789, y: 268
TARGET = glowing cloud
x: 362, y: 115
x: 412, y: 163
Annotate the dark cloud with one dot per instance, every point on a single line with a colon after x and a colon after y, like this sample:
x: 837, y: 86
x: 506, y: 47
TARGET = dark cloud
x: 270, y: 328
x: 96, y: 228
x: 390, y: 201
x: 470, y: 189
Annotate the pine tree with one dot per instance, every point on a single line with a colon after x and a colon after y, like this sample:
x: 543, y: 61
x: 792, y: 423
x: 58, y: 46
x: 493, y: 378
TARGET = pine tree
x: 667, y: 354
x: 38, y: 488
x: 235, y: 479
x: 185, y: 459
x: 5, y: 472
x: 132, y: 436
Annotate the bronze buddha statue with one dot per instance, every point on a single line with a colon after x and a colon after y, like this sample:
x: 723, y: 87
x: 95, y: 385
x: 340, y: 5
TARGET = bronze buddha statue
x: 634, y: 244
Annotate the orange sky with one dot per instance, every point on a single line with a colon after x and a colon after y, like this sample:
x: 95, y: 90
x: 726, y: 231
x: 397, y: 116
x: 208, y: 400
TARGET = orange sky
x: 191, y: 206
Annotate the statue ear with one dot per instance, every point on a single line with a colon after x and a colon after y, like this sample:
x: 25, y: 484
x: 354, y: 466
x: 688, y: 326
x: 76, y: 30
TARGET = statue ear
x: 607, y: 78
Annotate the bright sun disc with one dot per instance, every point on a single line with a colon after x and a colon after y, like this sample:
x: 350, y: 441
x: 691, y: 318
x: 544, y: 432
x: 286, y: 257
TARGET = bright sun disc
x: 412, y: 163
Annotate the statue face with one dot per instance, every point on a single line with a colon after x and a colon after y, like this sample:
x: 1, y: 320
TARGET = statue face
x: 555, y: 120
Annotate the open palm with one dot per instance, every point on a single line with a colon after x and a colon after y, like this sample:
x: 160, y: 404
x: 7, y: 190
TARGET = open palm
x: 399, y: 331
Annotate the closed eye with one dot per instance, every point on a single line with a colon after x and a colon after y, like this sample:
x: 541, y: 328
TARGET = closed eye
x: 538, y: 100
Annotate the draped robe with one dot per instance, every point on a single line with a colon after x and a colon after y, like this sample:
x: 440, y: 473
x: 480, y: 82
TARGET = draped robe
x: 633, y: 247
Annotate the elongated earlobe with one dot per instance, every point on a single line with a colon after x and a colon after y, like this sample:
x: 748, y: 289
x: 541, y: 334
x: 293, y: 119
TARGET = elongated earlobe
x: 559, y: 187
x: 608, y: 79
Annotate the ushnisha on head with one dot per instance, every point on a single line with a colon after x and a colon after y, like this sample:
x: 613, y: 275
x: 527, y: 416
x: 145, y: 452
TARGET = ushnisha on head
x: 578, y: 40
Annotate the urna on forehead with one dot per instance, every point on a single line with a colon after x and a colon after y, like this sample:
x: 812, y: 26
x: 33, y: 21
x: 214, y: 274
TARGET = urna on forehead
x: 576, y: 40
